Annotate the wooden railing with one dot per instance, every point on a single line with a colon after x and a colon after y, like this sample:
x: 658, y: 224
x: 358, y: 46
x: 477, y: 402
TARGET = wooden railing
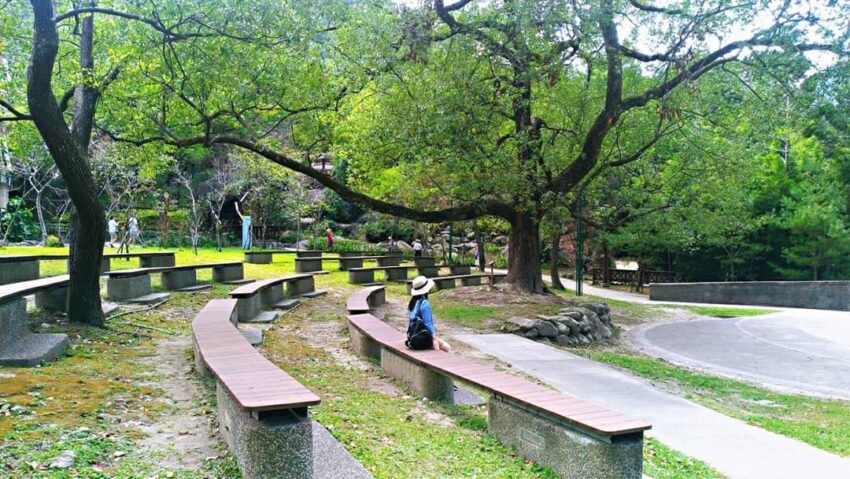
x: 625, y: 276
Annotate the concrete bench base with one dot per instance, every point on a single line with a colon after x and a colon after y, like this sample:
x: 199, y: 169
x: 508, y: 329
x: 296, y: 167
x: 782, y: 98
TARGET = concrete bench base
x: 378, y: 298
x: 424, y: 262
x: 267, y: 445
x: 179, y: 279
x: 570, y: 453
x: 429, y: 271
x: 421, y: 380
x: 471, y: 281
x: 249, y: 307
x: 445, y: 283
x: 300, y: 286
x: 19, y: 348
x: 395, y: 274
x: 19, y: 271
x: 124, y: 288
x: 458, y: 270
x: 362, y: 344
x: 272, y: 295
x: 308, y: 254
x: 156, y: 261
x: 347, y: 263
x: 361, y: 277
x: 389, y: 261
x: 308, y: 265
x: 55, y: 299
x: 258, y: 258
x: 223, y: 274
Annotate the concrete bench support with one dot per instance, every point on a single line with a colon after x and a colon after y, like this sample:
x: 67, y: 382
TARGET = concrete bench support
x: 300, y: 286
x: 308, y: 265
x: 458, y: 270
x: 308, y: 254
x: 377, y: 298
x: 269, y: 444
x: 445, y: 283
x: 570, y: 453
x: 389, y: 261
x: 55, y: 299
x: 18, y: 271
x: 249, y: 307
x: 361, y: 277
x: 348, y: 263
x: 428, y: 271
x: 425, y: 261
x: 495, y: 279
x: 395, y: 274
x: 476, y: 281
x: 421, y: 380
x: 234, y: 272
x: 156, y: 261
x: 123, y: 288
x: 19, y: 348
x: 258, y: 258
x: 179, y: 279
x: 364, y: 345
x: 272, y: 295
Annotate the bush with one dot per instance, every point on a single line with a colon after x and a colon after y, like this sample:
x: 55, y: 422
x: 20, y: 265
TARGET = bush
x: 377, y: 230
x: 343, y: 245
x: 53, y: 242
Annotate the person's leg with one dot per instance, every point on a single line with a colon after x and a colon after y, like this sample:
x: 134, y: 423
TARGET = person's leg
x: 443, y: 346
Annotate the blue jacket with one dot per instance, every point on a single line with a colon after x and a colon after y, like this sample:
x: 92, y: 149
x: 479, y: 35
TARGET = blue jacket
x: 423, y: 308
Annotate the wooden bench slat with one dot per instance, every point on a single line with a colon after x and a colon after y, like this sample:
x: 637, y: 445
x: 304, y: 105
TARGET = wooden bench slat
x: 254, y: 382
x: 26, y: 288
x: 251, y: 289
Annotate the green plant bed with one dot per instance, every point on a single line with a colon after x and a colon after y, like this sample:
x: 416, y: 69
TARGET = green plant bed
x: 728, y: 312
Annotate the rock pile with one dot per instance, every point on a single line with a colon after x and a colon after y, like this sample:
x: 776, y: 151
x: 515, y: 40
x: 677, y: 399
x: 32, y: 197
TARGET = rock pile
x: 570, y: 326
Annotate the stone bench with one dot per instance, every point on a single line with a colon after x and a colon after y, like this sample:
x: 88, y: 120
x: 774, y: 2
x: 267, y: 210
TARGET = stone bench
x: 18, y: 347
x: 262, y: 411
x: 367, y: 275
x: 575, y: 438
x: 448, y: 282
x: 366, y: 299
x: 152, y: 259
x: 127, y: 284
x: 17, y: 268
x: 265, y: 256
x: 312, y: 265
x: 252, y: 297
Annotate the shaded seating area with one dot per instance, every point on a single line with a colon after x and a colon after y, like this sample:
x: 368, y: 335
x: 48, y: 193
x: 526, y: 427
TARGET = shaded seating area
x: 129, y: 284
x: 19, y: 347
x: 367, y: 275
x: 27, y: 267
x: 449, y: 282
x: 314, y: 264
x: 262, y: 411
x: 576, y: 438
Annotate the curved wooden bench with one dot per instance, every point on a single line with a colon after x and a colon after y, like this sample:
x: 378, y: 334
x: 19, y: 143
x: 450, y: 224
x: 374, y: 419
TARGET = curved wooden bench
x: 18, y: 347
x: 269, y: 292
x: 126, y: 284
x: 365, y: 299
x: 262, y: 410
x: 574, y: 437
x: 448, y: 282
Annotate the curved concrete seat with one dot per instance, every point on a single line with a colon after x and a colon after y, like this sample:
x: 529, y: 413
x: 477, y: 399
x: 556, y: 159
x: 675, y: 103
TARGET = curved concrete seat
x: 18, y: 347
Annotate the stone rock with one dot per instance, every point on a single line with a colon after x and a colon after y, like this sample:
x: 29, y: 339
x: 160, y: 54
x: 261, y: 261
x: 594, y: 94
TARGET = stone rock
x: 522, y: 323
x: 598, y: 308
x: 546, y: 329
x: 563, y: 340
x: 531, y: 333
x: 563, y: 329
x: 584, y: 340
x: 571, y: 313
x: 500, y: 240
x: 403, y: 246
x: 64, y: 460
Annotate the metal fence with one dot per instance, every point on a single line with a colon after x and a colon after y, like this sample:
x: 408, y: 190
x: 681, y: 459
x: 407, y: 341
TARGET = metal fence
x: 626, y: 276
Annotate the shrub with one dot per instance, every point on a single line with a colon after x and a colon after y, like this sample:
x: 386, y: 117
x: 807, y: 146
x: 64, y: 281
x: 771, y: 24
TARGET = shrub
x: 343, y: 245
x: 377, y: 230
x: 53, y: 242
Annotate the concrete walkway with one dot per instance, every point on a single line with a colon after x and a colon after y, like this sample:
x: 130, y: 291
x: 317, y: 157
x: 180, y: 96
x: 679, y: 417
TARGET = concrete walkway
x: 732, y: 447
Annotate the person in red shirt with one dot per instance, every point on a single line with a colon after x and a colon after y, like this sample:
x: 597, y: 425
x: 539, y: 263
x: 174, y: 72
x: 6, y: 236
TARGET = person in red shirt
x: 330, y: 236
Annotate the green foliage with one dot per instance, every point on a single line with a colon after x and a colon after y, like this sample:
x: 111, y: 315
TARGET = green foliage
x: 342, y: 245
x: 379, y: 228
x: 53, y: 242
x: 728, y: 312
x: 17, y: 221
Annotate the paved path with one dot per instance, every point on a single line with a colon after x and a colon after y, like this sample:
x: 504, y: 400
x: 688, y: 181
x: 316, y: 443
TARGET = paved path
x: 732, y: 447
x: 799, y: 351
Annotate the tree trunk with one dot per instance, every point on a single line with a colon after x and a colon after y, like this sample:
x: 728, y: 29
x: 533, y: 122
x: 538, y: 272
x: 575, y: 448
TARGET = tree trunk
x: 555, y: 258
x: 90, y: 222
x: 524, y: 269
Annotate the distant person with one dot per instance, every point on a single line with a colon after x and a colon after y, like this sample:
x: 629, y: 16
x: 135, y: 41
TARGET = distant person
x: 112, y: 226
x: 390, y: 244
x: 246, y: 228
x: 421, y: 333
x: 330, y: 236
x: 417, y: 248
x: 133, y: 229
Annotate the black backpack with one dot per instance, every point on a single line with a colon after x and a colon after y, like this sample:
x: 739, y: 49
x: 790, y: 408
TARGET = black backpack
x: 418, y: 336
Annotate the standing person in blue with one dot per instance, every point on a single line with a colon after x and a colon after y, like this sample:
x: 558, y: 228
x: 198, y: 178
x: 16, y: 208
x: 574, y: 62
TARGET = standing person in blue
x: 420, y: 318
x: 246, y: 228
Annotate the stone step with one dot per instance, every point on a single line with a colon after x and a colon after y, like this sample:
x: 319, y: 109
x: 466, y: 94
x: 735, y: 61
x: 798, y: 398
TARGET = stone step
x: 287, y: 304
x: 317, y: 273
x: 239, y: 282
x: 315, y: 294
x: 263, y: 317
x: 108, y: 307
x: 195, y: 288
x: 33, y: 349
x: 149, y: 298
x: 254, y: 336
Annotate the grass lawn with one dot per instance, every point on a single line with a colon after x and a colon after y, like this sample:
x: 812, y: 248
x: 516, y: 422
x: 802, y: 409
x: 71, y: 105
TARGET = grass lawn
x: 727, y: 312
x: 89, y: 401
x: 823, y: 423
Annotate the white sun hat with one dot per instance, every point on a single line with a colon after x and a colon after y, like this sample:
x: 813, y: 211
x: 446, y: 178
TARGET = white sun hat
x: 421, y: 285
